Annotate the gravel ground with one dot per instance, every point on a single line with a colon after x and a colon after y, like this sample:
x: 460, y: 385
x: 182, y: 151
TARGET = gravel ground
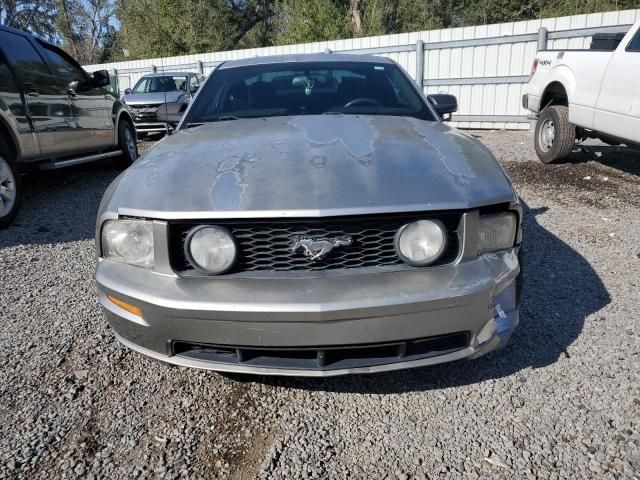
x: 561, y: 401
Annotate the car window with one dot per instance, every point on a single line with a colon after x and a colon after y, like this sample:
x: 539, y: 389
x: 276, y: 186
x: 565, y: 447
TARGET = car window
x: 307, y: 88
x: 634, y: 44
x: 22, y: 54
x: 8, y: 82
x: 63, y: 67
x: 165, y: 83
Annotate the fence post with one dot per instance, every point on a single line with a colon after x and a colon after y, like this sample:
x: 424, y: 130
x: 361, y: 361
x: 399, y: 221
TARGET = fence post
x: 420, y: 64
x: 543, y: 35
x: 200, y: 67
x: 115, y: 84
x: 154, y: 69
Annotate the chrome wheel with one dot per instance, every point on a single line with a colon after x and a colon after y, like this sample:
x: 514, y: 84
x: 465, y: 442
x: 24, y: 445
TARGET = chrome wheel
x: 547, y: 135
x: 7, y: 189
x: 130, y: 143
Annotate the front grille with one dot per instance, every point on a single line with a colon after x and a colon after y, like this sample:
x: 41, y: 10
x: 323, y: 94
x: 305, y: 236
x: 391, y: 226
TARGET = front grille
x: 265, y: 245
x: 325, y: 358
x: 144, y: 112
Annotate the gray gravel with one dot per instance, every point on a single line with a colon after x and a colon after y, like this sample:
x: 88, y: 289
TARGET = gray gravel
x: 562, y: 401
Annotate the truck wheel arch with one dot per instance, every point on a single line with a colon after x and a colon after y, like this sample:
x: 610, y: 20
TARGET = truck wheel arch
x: 8, y: 139
x: 554, y: 94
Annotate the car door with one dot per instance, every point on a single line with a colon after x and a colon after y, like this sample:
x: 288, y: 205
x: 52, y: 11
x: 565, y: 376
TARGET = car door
x: 45, y: 94
x: 618, y: 107
x: 92, y: 128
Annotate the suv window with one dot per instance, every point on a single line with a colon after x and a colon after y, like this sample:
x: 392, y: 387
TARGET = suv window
x: 22, y: 54
x: 634, y: 44
x: 63, y: 67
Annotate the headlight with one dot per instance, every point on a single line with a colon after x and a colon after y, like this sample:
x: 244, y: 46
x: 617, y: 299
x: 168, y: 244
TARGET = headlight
x: 421, y: 243
x: 496, y: 232
x: 128, y: 241
x: 211, y: 249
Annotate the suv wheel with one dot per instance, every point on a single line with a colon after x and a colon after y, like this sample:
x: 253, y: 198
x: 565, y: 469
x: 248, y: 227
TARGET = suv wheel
x: 10, y: 191
x: 127, y: 143
x: 555, y: 137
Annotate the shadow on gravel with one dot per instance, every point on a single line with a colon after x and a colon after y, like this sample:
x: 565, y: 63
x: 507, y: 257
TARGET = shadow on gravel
x: 560, y: 290
x: 624, y: 159
x: 60, y: 205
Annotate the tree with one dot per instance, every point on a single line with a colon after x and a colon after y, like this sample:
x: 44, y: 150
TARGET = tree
x: 83, y: 26
x: 36, y: 16
x: 172, y: 27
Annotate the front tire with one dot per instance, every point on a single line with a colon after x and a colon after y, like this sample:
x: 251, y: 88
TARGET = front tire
x: 555, y: 136
x: 10, y: 190
x: 128, y: 145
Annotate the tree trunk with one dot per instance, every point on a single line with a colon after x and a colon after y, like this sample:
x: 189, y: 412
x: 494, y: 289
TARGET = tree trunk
x: 355, y: 13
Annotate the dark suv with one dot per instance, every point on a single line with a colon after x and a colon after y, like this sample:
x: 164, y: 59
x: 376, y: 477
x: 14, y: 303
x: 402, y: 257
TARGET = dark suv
x: 53, y: 114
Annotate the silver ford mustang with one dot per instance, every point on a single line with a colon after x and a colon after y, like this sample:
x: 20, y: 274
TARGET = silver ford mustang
x: 311, y: 215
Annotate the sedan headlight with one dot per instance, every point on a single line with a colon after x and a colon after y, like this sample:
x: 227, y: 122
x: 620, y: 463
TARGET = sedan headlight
x: 421, y: 243
x: 128, y: 241
x: 211, y: 249
x: 496, y: 232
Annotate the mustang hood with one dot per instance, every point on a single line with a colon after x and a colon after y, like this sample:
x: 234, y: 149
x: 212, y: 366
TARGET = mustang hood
x: 310, y: 166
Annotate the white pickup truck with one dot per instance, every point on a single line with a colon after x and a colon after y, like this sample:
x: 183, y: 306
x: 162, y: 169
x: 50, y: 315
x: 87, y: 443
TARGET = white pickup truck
x: 580, y: 94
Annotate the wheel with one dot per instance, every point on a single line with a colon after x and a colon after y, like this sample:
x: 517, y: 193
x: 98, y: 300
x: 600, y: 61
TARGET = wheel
x: 128, y: 145
x: 555, y: 137
x: 10, y: 190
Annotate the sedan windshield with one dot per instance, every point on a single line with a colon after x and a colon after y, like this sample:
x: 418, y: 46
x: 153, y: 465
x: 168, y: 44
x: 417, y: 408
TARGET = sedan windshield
x: 167, y: 83
x: 307, y: 88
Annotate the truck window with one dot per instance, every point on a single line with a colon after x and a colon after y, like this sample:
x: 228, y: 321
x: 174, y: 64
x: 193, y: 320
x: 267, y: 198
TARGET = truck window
x: 63, y: 67
x: 634, y: 44
x: 22, y: 54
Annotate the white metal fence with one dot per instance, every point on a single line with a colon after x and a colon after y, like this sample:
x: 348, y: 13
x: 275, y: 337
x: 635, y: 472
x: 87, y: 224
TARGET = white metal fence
x: 485, y: 66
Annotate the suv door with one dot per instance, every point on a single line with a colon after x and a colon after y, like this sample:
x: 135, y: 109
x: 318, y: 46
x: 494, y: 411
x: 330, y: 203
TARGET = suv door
x: 92, y: 128
x: 13, y: 111
x: 45, y: 94
x: 618, y: 108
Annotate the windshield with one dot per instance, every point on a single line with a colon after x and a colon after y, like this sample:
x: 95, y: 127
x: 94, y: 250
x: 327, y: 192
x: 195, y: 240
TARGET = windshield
x: 309, y: 88
x: 166, y: 83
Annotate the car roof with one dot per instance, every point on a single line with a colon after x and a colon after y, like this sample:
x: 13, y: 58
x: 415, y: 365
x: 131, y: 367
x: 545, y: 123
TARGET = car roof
x: 304, y: 58
x: 168, y: 74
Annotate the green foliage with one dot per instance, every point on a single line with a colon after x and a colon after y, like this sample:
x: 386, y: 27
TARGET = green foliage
x: 102, y: 30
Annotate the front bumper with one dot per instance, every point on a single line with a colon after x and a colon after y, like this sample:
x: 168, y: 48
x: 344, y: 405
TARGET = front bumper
x: 150, y: 127
x: 476, y: 296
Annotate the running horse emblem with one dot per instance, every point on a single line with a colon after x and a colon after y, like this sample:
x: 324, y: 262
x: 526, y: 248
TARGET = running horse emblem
x: 318, y: 248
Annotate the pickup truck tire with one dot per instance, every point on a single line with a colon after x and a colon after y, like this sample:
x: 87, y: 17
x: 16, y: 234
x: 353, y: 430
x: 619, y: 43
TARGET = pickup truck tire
x: 128, y: 145
x: 555, y: 136
x: 10, y: 188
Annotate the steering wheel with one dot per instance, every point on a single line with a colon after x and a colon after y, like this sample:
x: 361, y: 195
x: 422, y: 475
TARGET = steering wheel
x: 362, y: 101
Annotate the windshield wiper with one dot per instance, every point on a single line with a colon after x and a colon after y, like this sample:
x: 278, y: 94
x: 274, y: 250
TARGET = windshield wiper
x: 224, y: 118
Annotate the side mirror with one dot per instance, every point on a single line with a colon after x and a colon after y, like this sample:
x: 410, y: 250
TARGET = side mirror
x: 171, y: 112
x: 101, y: 78
x: 127, y: 91
x: 443, y: 104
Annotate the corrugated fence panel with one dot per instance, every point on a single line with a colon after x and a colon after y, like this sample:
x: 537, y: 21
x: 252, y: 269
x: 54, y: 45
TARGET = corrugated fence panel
x: 485, y: 66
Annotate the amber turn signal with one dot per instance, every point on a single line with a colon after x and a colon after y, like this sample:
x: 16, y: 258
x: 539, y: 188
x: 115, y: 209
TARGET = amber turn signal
x: 126, y: 306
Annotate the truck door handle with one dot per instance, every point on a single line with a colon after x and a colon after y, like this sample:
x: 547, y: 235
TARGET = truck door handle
x: 31, y: 89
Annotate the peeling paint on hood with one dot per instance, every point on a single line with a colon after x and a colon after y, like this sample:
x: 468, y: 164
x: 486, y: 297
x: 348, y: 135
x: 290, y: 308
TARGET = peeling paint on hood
x: 311, y: 166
